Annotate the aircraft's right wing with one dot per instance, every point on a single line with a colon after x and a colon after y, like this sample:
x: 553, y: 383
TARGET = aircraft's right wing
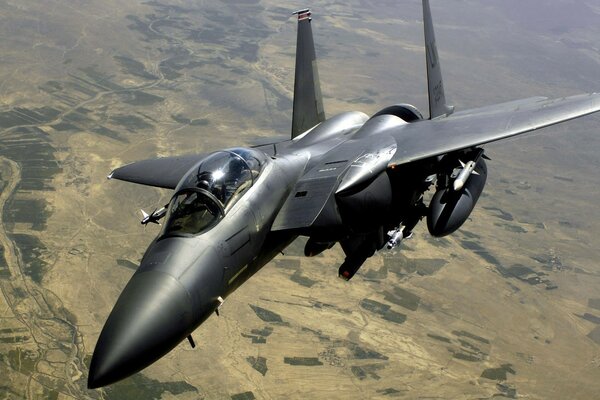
x: 163, y: 172
x: 462, y: 130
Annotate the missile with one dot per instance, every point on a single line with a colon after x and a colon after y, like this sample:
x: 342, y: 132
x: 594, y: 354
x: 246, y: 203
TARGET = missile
x: 396, y: 237
x: 154, y: 217
x: 465, y: 173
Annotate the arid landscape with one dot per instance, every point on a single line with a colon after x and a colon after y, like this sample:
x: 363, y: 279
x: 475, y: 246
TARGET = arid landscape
x: 507, y: 307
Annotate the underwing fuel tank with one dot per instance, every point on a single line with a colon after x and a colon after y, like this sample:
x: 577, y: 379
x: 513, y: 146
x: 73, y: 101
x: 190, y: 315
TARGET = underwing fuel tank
x: 449, y: 209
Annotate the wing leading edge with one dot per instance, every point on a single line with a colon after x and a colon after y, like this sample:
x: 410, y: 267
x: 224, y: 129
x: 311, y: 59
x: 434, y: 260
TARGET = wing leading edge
x: 160, y: 172
x: 475, y: 127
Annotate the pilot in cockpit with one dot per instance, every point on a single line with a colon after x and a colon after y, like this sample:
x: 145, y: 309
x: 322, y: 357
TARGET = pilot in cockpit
x: 207, y: 181
x: 206, y: 195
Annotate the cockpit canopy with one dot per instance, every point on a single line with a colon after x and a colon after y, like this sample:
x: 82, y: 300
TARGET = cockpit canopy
x: 210, y: 189
x: 225, y: 174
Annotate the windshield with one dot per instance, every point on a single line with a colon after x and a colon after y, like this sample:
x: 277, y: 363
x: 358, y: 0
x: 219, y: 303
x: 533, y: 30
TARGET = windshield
x: 210, y: 189
x: 225, y: 174
x: 192, y: 212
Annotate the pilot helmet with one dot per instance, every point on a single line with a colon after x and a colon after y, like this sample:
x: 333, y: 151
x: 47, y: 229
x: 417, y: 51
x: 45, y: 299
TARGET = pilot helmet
x: 205, y: 180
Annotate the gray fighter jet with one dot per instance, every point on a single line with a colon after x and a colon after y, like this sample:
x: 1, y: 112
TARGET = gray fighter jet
x: 350, y: 179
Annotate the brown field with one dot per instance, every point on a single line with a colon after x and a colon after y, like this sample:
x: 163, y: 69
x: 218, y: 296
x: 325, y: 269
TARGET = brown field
x: 508, y: 307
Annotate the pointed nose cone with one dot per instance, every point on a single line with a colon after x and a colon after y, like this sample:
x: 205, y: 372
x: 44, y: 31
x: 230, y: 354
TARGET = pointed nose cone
x: 152, y: 315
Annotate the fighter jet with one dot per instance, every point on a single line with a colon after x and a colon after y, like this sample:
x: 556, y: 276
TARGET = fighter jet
x: 352, y: 179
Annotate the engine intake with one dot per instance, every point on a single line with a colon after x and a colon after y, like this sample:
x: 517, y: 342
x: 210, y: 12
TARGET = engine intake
x: 368, y: 207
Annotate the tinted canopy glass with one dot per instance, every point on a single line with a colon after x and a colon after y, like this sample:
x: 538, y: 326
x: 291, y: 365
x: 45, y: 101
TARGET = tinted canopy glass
x: 211, y: 188
x: 192, y: 212
x: 226, y: 174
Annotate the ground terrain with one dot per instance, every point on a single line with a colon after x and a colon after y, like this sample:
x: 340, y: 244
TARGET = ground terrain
x: 509, y: 306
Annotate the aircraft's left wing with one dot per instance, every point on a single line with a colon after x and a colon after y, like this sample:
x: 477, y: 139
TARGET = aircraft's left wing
x: 430, y: 138
x: 425, y: 139
x: 163, y: 172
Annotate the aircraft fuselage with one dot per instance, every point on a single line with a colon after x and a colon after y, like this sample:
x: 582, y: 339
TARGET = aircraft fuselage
x: 183, y: 278
x: 351, y: 179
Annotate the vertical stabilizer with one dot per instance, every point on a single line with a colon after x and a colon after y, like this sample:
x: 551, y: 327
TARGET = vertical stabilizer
x: 437, y: 98
x: 308, y: 102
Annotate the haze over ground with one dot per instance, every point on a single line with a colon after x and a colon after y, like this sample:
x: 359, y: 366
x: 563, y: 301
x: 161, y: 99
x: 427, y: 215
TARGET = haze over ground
x: 509, y: 305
